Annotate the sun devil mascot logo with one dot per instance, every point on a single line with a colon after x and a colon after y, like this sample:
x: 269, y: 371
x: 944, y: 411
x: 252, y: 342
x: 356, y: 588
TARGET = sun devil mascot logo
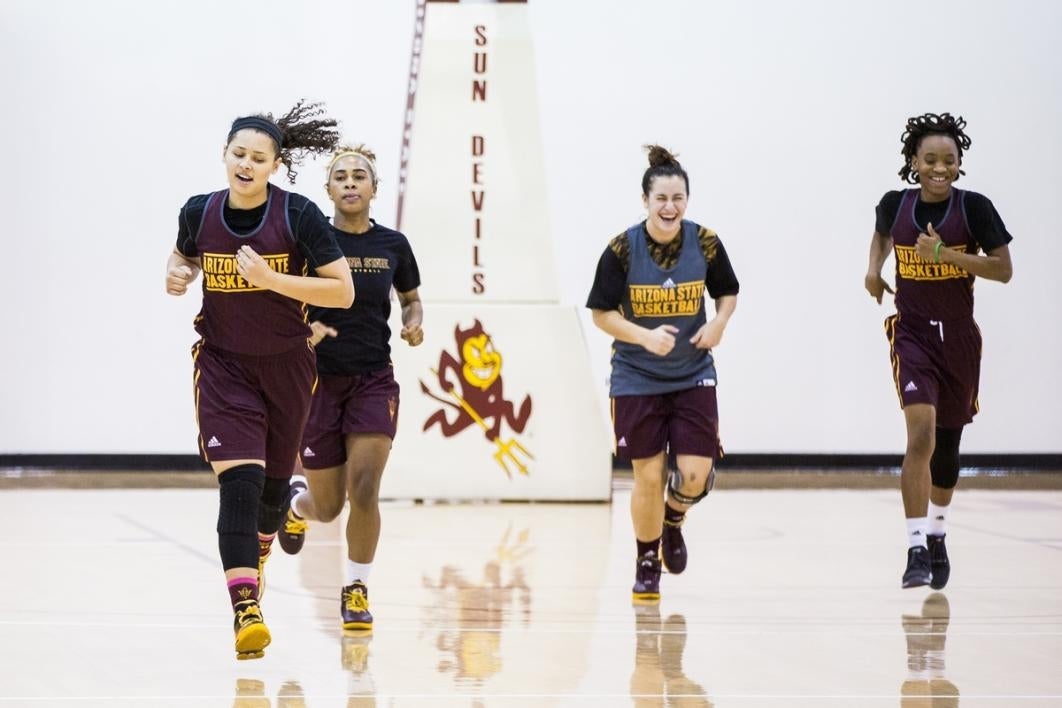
x: 474, y: 386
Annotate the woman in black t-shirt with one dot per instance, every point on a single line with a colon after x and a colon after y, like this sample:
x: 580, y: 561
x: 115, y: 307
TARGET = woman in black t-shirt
x: 354, y: 413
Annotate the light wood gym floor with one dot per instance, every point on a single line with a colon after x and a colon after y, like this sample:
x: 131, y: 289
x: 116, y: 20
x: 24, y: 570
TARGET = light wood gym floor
x: 114, y: 597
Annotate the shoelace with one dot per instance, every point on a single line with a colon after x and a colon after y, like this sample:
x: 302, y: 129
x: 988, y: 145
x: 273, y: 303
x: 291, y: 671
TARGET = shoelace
x: 356, y: 601
x: 248, y: 615
x: 294, y: 525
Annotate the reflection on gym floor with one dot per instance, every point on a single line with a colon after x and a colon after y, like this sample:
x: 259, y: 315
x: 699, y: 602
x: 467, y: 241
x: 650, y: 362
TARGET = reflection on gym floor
x: 114, y: 597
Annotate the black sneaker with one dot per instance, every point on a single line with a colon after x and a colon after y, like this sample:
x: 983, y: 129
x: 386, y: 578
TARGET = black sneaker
x: 292, y: 532
x: 673, y: 547
x: 354, y: 607
x: 938, y: 559
x: 919, y: 572
x: 646, y: 579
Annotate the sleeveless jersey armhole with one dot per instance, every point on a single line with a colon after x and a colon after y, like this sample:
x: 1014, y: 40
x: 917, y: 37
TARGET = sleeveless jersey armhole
x: 194, y: 233
x: 287, y: 218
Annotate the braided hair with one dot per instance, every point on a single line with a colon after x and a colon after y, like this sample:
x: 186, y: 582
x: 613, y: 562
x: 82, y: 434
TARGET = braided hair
x: 662, y: 164
x: 919, y: 127
x: 296, y: 134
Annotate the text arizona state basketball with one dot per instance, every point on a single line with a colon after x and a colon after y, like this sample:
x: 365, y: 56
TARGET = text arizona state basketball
x: 220, y: 274
x: 660, y: 301
x: 913, y: 267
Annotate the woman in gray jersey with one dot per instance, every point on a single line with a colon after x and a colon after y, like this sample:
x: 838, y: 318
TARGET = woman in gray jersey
x: 648, y: 293
x: 942, y: 238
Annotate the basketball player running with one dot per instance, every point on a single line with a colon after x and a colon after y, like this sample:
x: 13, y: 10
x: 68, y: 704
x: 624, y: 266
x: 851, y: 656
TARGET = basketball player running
x: 648, y: 293
x: 253, y: 368
x: 354, y: 412
x: 936, y: 232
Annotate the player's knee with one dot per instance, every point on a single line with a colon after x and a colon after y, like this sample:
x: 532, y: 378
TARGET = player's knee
x: 328, y: 509
x: 274, y: 493
x: 365, y: 491
x: 691, y: 490
x: 920, y: 441
x: 944, y: 466
x: 240, y: 490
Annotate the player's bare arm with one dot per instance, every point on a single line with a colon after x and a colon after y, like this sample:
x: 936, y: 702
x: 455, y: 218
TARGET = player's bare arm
x: 659, y: 341
x: 880, y: 247
x: 181, y: 271
x: 711, y: 333
x: 319, y: 330
x: 412, y: 317
x: 995, y: 265
x: 332, y: 287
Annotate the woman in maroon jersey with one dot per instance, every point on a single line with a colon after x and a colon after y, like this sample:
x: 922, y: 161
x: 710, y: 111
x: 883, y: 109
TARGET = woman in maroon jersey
x: 354, y: 412
x: 942, y: 238
x: 254, y: 371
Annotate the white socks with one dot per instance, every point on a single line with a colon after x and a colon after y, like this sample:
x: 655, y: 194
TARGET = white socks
x: 297, y: 497
x: 938, y: 518
x: 916, y: 532
x: 358, y: 571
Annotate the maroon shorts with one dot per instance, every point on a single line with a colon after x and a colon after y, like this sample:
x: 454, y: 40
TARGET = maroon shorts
x: 938, y: 363
x: 252, y: 407
x: 342, y: 405
x: 682, y: 423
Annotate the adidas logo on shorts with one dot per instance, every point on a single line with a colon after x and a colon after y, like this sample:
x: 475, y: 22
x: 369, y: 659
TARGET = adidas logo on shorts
x: 213, y: 442
x: 910, y: 387
x: 308, y: 453
x: 622, y: 442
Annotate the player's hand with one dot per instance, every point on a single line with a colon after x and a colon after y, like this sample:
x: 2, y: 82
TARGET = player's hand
x: 876, y: 286
x: 319, y: 331
x: 926, y: 245
x: 660, y: 341
x: 413, y: 334
x: 253, y: 268
x: 709, y: 335
x: 178, y: 278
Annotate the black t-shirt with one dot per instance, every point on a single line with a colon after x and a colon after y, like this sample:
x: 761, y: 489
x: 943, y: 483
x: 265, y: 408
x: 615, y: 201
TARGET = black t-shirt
x: 312, y: 232
x: 610, y: 281
x: 986, y: 226
x: 379, y: 259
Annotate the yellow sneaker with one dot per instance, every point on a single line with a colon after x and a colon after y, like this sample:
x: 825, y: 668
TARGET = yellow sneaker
x: 265, y: 549
x: 293, y: 530
x: 252, y: 635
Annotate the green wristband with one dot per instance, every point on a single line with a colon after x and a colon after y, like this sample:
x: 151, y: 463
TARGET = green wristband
x: 936, y: 250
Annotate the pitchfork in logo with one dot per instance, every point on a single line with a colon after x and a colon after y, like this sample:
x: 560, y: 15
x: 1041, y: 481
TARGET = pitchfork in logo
x: 475, y: 386
x: 505, y: 449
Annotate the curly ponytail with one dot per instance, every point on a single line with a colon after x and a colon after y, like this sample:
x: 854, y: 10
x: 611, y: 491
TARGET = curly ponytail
x: 298, y: 133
